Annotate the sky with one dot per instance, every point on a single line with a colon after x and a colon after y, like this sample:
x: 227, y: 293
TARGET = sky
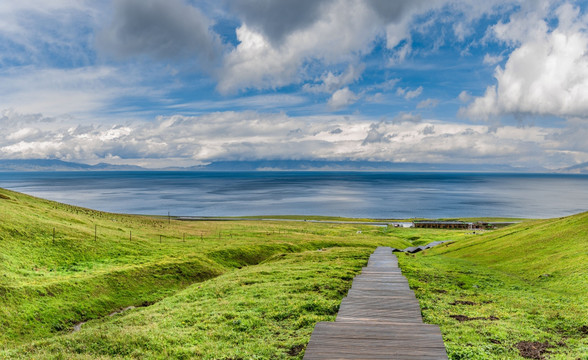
x: 182, y: 82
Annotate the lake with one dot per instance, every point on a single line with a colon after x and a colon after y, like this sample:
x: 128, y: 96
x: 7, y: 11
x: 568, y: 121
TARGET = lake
x: 348, y: 194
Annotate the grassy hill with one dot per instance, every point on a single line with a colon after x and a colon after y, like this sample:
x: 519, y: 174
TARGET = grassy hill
x: 554, y: 250
x: 495, y: 293
x: 61, y: 264
x: 255, y: 289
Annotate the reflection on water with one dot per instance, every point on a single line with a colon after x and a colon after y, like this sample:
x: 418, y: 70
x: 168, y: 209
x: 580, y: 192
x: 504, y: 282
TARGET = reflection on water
x: 373, y: 195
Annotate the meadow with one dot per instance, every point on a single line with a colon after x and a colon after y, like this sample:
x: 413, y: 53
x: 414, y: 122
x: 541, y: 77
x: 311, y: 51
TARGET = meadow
x: 254, y: 289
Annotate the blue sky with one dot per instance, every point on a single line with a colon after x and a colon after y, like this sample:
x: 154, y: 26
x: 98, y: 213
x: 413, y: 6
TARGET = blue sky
x: 178, y: 82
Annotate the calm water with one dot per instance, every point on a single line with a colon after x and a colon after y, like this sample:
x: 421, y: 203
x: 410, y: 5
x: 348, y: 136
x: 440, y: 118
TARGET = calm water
x: 372, y: 195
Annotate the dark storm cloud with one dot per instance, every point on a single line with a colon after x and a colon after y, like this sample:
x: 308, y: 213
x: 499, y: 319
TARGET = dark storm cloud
x: 164, y: 29
x: 277, y: 19
x: 394, y: 10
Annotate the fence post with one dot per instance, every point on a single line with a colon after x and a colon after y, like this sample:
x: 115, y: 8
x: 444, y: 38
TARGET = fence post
x: 160, y: 239
x: 53, y: 235
x: 130, y: 235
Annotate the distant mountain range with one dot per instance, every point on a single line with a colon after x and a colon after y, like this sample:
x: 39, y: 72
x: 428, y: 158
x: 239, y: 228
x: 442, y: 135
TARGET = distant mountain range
x: 58, y: 165
x: 323, y: 165
x: 576, y: 169
x: 275, y: 165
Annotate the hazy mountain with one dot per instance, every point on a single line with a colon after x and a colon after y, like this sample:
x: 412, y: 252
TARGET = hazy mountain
x: 58, y: 165
x: 322, y: 165
x: 576, y: 169
x: 264, y: 165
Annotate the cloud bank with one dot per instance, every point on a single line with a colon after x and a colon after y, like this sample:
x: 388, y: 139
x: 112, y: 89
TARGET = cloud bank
x: 189, y: 140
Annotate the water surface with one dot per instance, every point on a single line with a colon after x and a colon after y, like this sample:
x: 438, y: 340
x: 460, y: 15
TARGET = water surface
x: 349, y: 194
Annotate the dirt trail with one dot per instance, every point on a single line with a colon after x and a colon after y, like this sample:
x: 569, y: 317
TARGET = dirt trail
x: 78, y: 326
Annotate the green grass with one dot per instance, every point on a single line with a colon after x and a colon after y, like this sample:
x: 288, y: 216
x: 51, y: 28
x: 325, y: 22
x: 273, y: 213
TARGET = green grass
x: 266, y: 311
x: 47, y: 284
x: 556, y: 248
x: 255, y: 289
x: 532, y: 277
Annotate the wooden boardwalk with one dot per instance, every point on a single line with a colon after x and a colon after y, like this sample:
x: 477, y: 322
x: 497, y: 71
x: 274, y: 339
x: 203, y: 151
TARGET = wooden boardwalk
x: 379, y: 319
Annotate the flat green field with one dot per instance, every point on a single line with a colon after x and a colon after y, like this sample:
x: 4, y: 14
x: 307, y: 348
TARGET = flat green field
x: 255, y: 289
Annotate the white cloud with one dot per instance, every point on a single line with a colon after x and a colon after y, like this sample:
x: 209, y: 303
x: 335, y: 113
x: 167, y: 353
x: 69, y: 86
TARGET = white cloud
x: 376, y: 136
x: 409, y: 94
x: 39, y: 32
x: 547, y: 74
x: 396, y: 33
x: 492, y: 59
x: 342, y: 98
x: 386, y: 85
x: 257, y: 62
x: 428, y: 130
x: 277, y: 38
x: 23, y: 133
x: 52, y: 91
x: 401, y: 54
x: 428, y: 103
x: 84, y: 91
x: 260, y: 102
x: 336, y: 85
x: 464, y: 96
x: 13, y: 13
x: 403, y: 117
x: 329, y: 82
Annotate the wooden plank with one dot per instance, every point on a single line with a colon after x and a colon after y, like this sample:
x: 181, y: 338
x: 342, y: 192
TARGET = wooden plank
x: 379, y: 301
x: 370, y: 277
x: 386, y: 279
x: 362, y: 321
x: 379, y: 292
x: 377, y: 309
x: 379, y: 319
x: 390, y: 307
x: 379, y: 314
x: 380, y: 286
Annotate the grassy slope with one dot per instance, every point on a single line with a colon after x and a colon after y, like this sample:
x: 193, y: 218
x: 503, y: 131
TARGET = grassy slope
x: 47, y: 286
x: 266, y: 311
x: 533, y: 277
x: 553, y: 247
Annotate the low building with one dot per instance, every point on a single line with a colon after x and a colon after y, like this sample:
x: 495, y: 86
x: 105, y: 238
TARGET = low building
x: 424, y: 224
